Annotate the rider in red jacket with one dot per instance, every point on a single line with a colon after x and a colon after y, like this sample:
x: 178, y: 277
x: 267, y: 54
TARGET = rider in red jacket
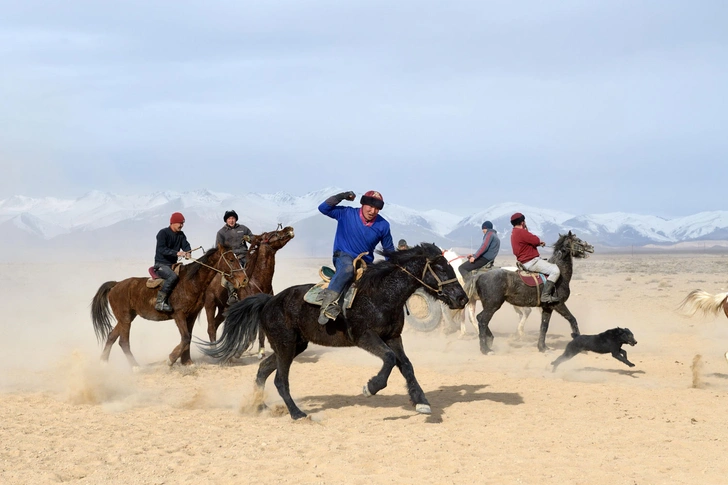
x: 524, y: 246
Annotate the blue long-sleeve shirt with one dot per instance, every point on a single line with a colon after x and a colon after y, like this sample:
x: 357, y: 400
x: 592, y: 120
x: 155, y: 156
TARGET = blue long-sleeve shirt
x: 353, y: 236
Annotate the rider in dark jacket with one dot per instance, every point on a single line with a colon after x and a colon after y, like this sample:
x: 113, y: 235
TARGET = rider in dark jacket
x: 235, y: 236
x: 171, y: 244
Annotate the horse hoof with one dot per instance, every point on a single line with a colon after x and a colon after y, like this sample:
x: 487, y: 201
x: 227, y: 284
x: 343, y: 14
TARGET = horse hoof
x: 261, y: 355
x: 170, y: 362
x: 136, y: 369
x: 726, y: 356
x: 423, y: 409
x: 365, y: 390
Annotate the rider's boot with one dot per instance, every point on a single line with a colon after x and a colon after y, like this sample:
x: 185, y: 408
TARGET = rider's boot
x: 232, y: 293
x: 548, y: 295
x: 329, y: 309
x: 162, y: 305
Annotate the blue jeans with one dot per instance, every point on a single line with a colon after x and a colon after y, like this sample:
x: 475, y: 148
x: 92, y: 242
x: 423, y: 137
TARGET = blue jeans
x: 344, y: 265
x: 170, y: 277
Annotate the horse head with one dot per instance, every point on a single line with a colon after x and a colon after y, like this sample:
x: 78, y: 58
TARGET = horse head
x: 455, y: 260
x: 570, y: 244
x: 229, y: 266
x: 429, y: 266
x: 278, y: 238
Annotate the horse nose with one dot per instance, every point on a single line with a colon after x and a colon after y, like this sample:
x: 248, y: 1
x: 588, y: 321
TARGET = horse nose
x: 462, y: 301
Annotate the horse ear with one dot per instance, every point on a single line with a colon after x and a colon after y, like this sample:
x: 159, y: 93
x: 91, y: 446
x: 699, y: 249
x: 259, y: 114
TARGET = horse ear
x: 570, y: 234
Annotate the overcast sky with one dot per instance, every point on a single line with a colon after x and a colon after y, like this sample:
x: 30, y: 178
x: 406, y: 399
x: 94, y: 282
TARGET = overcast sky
x: 582, y: 106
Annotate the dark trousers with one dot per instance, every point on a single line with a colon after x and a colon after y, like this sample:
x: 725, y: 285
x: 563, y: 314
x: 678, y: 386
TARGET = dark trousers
x: 170, y: 277
x: 467, y: 267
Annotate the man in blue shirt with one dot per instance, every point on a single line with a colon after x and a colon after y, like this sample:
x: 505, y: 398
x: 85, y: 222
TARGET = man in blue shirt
x: 358, y: 231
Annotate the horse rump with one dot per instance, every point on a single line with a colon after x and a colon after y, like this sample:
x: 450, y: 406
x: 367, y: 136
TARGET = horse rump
x: 100, y: 312
x: 242, y: 323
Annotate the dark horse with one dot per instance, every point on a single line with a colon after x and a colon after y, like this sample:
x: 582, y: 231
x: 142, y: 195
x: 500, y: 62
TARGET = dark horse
x: 373, y: 323
x: 131, y: 297
x: 259, y: 267
x: 501, y: 285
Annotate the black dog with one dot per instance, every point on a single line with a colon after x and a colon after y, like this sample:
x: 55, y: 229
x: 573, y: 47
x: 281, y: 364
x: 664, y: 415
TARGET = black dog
x: 609, y: 342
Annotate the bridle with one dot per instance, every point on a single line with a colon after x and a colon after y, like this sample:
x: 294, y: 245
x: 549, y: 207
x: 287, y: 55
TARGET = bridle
x: 449, y: 261
x: 228, y: 276
x: 427, y: 268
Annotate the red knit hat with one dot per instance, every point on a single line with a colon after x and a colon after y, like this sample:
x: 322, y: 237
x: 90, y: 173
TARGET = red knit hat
x: 517, y: 218
x: 177, y: 218
x: 372, y: 198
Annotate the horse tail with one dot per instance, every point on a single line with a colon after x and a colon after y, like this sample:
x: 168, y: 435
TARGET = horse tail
x: 100, y: 313
x: 242, y: 321
x: 702, y: 301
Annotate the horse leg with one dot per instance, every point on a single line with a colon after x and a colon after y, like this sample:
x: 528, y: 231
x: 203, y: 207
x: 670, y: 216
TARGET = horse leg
x: 261, y: 343
x: 373, y: 344
x: 284, y: 357
x: 185, y: 358
x: 266, y: 368
x: 124, y: 343
x: 564, y: 312
x: 486, y: 336
x: 523, y: 312
x: 185, y: 339
x: 110, y: 340
x: 416, y: 394
x: 545, y: 317
x: 212, y: 323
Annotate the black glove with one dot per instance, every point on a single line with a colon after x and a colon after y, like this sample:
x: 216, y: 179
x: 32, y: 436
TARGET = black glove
x: 335, y: 199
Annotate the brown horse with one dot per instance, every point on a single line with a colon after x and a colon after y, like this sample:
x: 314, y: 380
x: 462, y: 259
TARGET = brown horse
x: 259, y: 268
x: 131, y: 297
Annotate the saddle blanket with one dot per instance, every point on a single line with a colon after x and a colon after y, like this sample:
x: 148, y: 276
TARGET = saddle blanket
x: 312, y: 295
x: 532, y: 279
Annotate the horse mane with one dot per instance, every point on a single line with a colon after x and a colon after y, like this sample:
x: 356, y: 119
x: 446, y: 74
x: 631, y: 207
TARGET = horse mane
x: 560, y: 248
x: 196, y: 267
x: 377, y: 271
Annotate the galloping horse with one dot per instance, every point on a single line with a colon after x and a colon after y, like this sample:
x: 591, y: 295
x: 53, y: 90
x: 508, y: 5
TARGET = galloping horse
x: 468, y: 285
x: 499, y: 285
x: 374, y: 322
x: 259, y: 268
x: 131, y: 297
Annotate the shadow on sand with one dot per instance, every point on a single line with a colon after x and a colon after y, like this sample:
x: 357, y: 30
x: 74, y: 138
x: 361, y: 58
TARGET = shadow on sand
x: 440, y: 399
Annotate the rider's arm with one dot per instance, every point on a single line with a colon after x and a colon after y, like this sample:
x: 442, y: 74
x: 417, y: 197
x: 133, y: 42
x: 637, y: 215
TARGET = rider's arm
x: 529, y: 238
x: 328, y: 207
x: 387, y: 243
x: 483, y: 247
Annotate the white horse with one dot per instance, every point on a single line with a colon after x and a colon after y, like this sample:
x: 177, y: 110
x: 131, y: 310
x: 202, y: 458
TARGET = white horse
x: 468, y: 285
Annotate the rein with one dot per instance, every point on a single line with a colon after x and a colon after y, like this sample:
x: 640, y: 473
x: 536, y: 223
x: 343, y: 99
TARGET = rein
x: 453, y: 259
x: 223, y: 273
x: 440, y: 283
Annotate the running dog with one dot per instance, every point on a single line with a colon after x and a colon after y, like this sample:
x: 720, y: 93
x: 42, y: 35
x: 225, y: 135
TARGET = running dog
x: 609, y: 342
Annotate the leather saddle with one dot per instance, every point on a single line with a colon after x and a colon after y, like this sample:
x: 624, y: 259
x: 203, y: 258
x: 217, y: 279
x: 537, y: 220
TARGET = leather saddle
x: 155, y: 281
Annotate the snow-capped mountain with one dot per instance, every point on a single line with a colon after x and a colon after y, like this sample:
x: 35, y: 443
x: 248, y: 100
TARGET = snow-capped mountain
x: 99, y: 223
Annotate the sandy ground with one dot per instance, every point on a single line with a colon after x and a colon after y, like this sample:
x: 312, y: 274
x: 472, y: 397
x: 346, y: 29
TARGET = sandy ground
x: 501, y: 418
